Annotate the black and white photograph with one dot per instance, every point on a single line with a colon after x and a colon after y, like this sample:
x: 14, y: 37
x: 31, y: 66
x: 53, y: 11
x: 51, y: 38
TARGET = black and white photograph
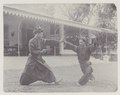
x: 60, y: 47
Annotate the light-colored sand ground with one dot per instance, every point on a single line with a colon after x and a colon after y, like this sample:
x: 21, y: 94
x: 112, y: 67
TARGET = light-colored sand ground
x: 65, y: 68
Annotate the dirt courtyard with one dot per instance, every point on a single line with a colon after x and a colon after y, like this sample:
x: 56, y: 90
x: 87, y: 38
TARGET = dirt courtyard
x: 65, y: 68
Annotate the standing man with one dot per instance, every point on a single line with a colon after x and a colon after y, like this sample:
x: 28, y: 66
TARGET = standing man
x: 36, y: 68
x: 83, y: 51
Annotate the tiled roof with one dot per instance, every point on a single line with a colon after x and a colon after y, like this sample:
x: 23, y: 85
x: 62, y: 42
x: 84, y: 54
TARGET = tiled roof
x: 22, y: 13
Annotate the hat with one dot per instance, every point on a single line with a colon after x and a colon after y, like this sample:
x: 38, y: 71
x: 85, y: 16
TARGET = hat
x: 37, y: 29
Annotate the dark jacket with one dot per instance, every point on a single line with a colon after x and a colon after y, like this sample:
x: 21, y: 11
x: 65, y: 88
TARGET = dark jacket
x: 83, y: 53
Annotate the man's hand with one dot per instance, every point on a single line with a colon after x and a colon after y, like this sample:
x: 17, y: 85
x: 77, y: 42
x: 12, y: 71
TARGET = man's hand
x: 44, y: 51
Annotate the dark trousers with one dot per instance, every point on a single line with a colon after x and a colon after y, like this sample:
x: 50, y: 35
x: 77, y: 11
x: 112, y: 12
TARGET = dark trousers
x: 26, y: 79
x: 87, y: 72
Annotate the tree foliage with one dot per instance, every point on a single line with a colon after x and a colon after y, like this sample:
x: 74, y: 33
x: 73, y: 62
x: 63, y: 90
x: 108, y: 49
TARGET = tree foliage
x: 77, y: 12
x: 107, y: 16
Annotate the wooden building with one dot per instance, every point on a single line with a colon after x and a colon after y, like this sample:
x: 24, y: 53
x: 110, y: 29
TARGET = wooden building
x: 19, y: 25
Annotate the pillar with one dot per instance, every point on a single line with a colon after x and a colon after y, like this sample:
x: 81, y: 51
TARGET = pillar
x: 19, y: 37
x: 61, y: 38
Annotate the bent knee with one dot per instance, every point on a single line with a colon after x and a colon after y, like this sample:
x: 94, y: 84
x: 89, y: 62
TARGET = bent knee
x: 24, y: 79
x: 89, y: 70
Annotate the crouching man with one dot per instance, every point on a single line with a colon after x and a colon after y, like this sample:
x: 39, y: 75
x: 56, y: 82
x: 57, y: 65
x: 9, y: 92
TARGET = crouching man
x: 83, y: 51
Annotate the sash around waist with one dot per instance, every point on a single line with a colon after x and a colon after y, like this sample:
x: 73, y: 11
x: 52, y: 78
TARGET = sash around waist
x: 37, y: 58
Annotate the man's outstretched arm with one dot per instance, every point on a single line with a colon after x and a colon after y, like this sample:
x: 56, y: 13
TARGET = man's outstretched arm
x: 51, y: 42
x: 70, y: 46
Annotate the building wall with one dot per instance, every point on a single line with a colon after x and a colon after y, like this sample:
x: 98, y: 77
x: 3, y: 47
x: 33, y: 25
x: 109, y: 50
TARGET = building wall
x: 20, y: 30
x: 13, y: 24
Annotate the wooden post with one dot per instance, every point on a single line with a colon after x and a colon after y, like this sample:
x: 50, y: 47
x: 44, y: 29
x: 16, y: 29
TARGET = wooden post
x: 106, y: 44
x: 61, y: 37
x: 19, y: 30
